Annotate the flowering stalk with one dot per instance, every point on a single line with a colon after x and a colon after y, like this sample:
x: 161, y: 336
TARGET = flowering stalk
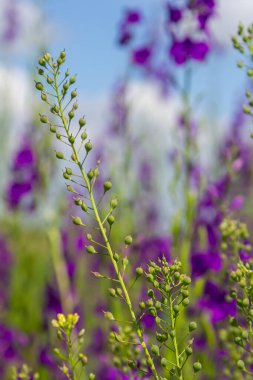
x: 59, y: 109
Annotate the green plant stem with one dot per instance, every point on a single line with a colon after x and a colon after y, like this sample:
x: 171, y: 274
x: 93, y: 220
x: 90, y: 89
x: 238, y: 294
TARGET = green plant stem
x: 174, y: 338
x: 60, y: 270
x: 104, y: 235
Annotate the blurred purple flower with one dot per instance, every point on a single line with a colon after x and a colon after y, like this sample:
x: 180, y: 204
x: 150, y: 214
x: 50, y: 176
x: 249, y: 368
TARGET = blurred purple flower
x: 175, y: 14
x: 131, y: 17
x: 214, y: 302
x: 142, y: 55
x: 24, y: 176
x: 204, y: 9
x: 202, y: 262
x: 152, y: 248
x: 12, y: 27
x: 187, y: 49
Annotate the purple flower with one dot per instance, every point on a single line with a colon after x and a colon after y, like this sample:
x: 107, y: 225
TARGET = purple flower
x: 187, y: 49
x: 11, y: 30
x: 132, y: 16
x: 214, y: 302
x: 152, y: 248
x: 204, y: 9
x: 141, y: 56
x: 175, y: 14
x: 202, y: 262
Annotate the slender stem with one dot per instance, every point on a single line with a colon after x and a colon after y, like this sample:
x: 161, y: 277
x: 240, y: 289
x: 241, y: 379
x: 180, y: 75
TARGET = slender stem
x: 104, y: 235
x: 174, y: 338
x: 60, y: 271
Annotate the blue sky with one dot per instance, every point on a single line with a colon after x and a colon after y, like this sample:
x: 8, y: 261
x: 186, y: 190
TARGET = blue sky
x: 87, y: 30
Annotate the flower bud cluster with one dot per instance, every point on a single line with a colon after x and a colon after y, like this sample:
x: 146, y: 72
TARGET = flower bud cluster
x: 168, y: 298
x: 69, y: 351
x: 243, y: 43
x: 235, y: 237
x: 127, y: 353
x: 25, y: 373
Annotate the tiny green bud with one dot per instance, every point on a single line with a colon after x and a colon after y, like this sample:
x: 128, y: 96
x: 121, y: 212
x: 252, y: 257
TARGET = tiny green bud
x: 53, y: 128
x: 88, y: 147
x: 91, y: 376
x: 108, y: 315
x: 83, y: 359
x: 90, y: 174
x: 114, y: 203
x: 66, y: 176
x: 84, y: 136
x: 82, y: 122
x: 241, y: 365
x: 71, y: 139
x: 39, y: 86
x: 72, y: 79
x: 49, y: 80
x: 139, y: 271
x: 71, y: 114
x: 192, y: 326
x: 142, y: 305
x: 78, y: 201
x: 110, y: 219
x: 77, y: 221
x: 188, y: 351
x: 186, y: 280
x: 186, y: 302
x: 69, y: 171
x: 84, y: 206
x: 44, y: 119
x: 59, y: 155
x: 107, y: 186
x: 43, y: 97
x: 164, y: 362
x: 73, y: 94
x: 197, y: 366
x: 90, y: 249
x: 155, y: 350
x: 112, y: 292
x: 128, y: 240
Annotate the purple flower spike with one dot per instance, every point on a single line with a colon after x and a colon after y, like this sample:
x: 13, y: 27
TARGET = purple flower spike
x: 187, y: 49
x: 141, y: 56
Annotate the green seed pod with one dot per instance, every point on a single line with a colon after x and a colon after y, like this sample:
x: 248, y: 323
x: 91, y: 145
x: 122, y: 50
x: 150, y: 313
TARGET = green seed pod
x: 72, y: 79
x: 44, y: 119
x: 139, y: 271
x: 185, y: 293
x: 71, y: 139
x: 84, y: 136
x: 66, y: 176
x: 83, y: 359
x: 90, y: 249
x: 71, y: 114
x: 114, y: 203
x: 42, y: 62
x: 108, y: 315
x: 89, y: 237
x: 192, y: 326
x: 150, y: 293
x: 82, y: 122
x: 110, y: 219
x: 84, y: 207
x: 176, y: 309
x: 158, y: 305
x: 188, y: 351
x: 107, y: 186
x: 43, y: 97
x: 69, y: 171
x: 49, y: 80
x: 112, y: 292
x: 90, y: 174
x: 75, y: 106
x: 96, y: 172
x: 91, y: 376
x: 88, y: 147
x: 155, y: 350
x: 58, y: 135
x: 78, y: 201
x: 142, y: 305
x: 73, y: 94
x: 197, y: 367
x: 59, y: 61
x: 77, y: 221
x: 186, y: 302
x: 39, y: 86
x: 47, y: 57
x: 164, y: 362
x: 53, y: 128
x: 116, y: 257
x: 59, y: 155
x: 40, y: 71
x: 128, y: 240
x: 63, y: 55
x: 186, y: 280
x: 119, y: 291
